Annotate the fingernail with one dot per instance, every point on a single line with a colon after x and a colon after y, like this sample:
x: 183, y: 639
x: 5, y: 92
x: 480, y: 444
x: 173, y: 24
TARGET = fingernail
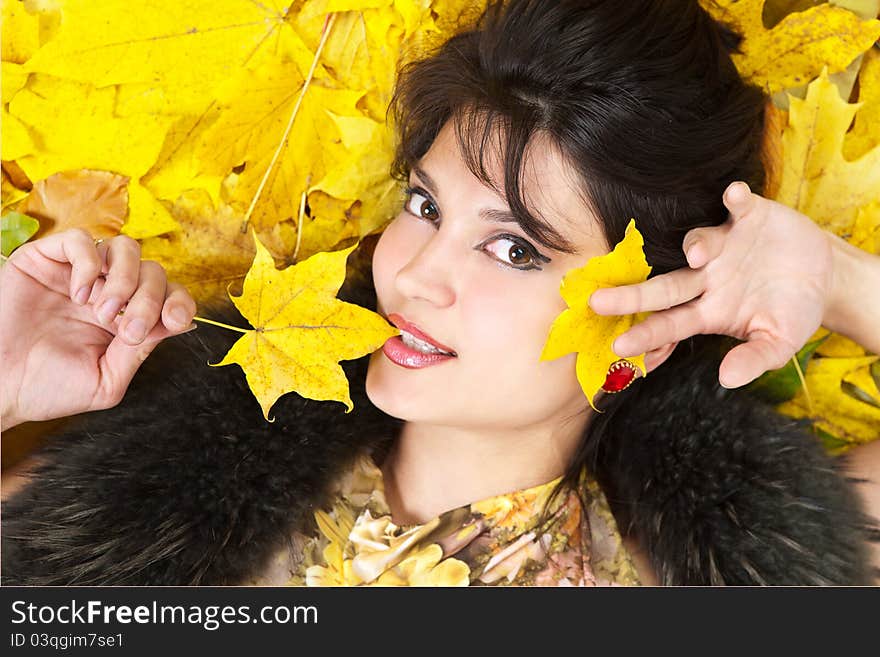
x: 136, y: 330
x: 178, y: 315
x: 108, y: 310
x: 192, y: 327
x: 82, y: 295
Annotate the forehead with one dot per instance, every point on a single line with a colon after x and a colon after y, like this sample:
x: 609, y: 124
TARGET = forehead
x: 552, y: 189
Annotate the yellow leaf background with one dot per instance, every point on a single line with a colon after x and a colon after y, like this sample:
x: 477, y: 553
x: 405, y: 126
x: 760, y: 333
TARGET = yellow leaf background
x: 579, y: 329
x: 189, y: 102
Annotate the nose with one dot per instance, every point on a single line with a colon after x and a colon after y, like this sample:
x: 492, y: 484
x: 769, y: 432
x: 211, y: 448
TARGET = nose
x: 428, y: 275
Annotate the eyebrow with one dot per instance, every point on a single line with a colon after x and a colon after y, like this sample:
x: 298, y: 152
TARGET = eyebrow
x: 490, y: 214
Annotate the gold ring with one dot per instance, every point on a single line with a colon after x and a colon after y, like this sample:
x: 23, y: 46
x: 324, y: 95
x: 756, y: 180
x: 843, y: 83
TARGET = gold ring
x: 99, y: 241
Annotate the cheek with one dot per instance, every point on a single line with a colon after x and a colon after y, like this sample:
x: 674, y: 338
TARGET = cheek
x: 392, y: 252
x: 511, y: 319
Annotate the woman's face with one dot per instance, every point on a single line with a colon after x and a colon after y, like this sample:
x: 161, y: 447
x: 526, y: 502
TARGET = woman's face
x: 472, y: 285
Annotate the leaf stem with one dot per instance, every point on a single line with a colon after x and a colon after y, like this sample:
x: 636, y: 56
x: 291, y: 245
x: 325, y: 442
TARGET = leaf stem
x: 325, y: 32
x: 299, y: 219
x: 220, y: 324
x: 797, y: 367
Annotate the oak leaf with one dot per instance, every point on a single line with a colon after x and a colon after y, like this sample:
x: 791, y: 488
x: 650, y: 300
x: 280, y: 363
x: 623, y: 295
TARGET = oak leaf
x: 797, y: 48
x: 579, y: 329
x: 301, y: 331
x: 817, y: 179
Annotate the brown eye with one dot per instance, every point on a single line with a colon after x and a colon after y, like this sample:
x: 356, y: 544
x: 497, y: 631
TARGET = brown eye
x: 518, y: 255
x: 421, y: 206
x: 510, y: 250
x: 427, y: 210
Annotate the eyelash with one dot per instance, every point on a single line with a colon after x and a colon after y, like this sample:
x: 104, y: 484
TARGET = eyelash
x: 518, y: 241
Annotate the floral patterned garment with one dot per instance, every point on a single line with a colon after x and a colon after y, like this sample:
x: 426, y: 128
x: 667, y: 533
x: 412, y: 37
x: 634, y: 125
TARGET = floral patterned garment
x: 493, y: 542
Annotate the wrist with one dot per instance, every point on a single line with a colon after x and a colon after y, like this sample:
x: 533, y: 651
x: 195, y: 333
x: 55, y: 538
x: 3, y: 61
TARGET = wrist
x: 9, y: 412
x: 8, y: 419
x: 853, y: 306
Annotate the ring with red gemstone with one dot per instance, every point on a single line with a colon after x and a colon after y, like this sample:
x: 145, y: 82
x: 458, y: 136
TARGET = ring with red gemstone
x: 620, y: 376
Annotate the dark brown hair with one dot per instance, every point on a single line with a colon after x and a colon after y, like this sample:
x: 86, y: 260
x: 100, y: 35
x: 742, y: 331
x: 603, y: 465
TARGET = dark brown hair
x: 641, y: 97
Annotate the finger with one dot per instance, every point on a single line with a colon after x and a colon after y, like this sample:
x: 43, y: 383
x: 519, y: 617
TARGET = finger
x: 123, y: 260
x: 659, y: 329
x: 656, y: 357
x: 739, y: 200
x: 658, y: 293
x: 145, y: 306
x: 749, y: 360
x: 703, y: 244
x: 120, y: 363
x: 77, y: 248
x: 179, y: 308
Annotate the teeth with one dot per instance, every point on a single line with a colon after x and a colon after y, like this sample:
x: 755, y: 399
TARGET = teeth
x: 420, y: 345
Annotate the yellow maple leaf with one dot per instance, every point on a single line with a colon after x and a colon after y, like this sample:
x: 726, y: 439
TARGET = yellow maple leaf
x: 579, y: 329
x: 21, y: 32
x: 798, y: 47
x: 816, y: 178
x: 17, y: 140
x: 866, y: 228
x: 301, y: 331
x: 836, y: 345
x: 865, y: 133
x: 78, y: 129
x: 366, y: 45
x: 363, y: 173
x: 248, y: 132
x: 185, y: 48
x: 209, y: 252
x: 834, y: 411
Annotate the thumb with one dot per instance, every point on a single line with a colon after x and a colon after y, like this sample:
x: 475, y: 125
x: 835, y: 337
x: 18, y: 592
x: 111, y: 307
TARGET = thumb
x: 120, y: 363
x: 749, y: 360
x: 739, y: 200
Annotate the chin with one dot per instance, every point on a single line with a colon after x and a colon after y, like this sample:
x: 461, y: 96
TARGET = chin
x: 390, y: 393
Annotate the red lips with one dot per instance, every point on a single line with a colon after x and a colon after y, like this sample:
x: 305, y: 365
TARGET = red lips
x: 412, y: 329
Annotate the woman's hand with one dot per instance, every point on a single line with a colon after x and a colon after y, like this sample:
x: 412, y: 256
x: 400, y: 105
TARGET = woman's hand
x: 65, y: 348
x: 764, y: 276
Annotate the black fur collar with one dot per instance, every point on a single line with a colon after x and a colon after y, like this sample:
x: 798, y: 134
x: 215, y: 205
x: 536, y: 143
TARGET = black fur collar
x: 184, y: 483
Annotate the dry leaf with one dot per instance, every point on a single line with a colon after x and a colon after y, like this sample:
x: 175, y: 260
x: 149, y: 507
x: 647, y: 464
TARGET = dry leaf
x: 579, y: 329
x: 78, y: 128
x: 775, y: 122
x: 211, y: 252
x: 865, y: 133
x: 796, y: 49
x: 301, y: 330
x: 96, y: 201
x: 816, y: 178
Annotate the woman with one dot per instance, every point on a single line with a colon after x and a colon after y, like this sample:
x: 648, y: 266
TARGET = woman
x: 527, y: 145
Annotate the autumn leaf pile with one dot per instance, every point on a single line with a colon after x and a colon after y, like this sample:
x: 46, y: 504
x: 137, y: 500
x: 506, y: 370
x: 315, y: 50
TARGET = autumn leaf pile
x: 185, y: 125
x: 227, y: 135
